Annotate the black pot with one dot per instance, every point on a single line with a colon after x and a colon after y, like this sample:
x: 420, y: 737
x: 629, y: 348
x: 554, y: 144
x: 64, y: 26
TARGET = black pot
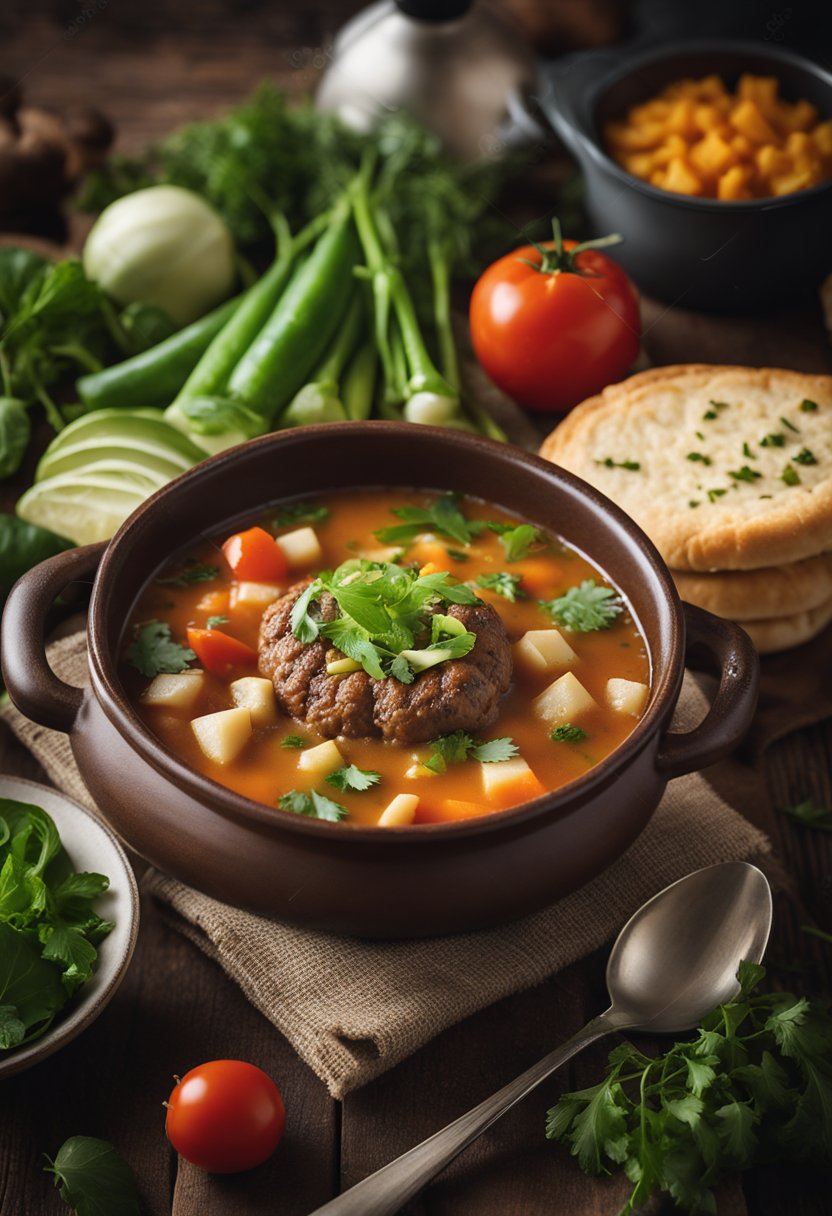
x: 695, y: 252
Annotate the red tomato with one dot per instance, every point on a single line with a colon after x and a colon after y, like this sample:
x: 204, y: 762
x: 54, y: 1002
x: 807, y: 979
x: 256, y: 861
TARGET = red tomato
x: 553, y: 324
x: 225, y: 1116
x: 255, y: 556
x: 218, y: 651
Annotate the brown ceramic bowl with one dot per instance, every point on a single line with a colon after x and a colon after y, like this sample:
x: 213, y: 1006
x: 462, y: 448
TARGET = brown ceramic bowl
x: 387, y: 882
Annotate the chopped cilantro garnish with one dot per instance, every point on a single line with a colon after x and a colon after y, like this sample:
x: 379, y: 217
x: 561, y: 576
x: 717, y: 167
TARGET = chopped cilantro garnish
x: 776, y: 440
x: 700, y: 436
x: 353, y: 778
x: 504, y: 584
x: 213, y: 621
x: 805, y: 456
x: 567, y: 733
x: 632, y: 466
x: 790, y: 426
x: 154, y: 651
x: 807, y: 406
x: 293, y: 741
x: 746, y: 473
x: 517, y: 539
x: 585, y: 608
x: 713, y: 495
x: 386, y: 621
x: 746, y: 451
x: 693, y: 502
x: 193, y: 572
x: 458, y: 555
x: 713, y: 412
x: 313, y: 804
x: 442, y: 516
x: 790, y: 475
x: 698, y: 456
x: 300, y: 513
x: 459, y: 746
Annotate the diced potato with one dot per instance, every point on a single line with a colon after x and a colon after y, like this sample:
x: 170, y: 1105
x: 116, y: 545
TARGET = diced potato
x: 712, y: 155
x: 321, y: 760
x: 223, y: 735
x: 750, y: 122
x: 214, y: 603
x: 174, y: 691
x: 399, y: 812
x: 509, y: 783
x: 301, y: 547
x: 734, y: 184
x: 257, y: 696
x: 254, y: 595
x: 681, y: 179
x: 544, y: 650
x: 563, y: 701
x: 626, y: 696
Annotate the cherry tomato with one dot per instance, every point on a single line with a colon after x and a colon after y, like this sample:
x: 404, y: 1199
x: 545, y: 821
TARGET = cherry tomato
x: 225, y: 1116
x: 255, y: 556
x: 218, y: 651
x: 553, y: 324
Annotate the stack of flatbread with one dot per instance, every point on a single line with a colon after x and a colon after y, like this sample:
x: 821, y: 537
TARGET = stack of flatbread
x: 729, y: 471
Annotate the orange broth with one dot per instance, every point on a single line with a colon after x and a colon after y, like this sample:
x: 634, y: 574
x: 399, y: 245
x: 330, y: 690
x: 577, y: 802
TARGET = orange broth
x: 264, y: 770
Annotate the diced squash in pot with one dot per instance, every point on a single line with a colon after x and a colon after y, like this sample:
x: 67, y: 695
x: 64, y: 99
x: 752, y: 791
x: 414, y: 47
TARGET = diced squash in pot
x: 321, y: 760
x: 257, y: 696
x: 563, y: 701
x: 174, y: 691
x: 223, y: 735
x: 544, y: 650
x: 254, y: 595
x: 301, y: 547
x: 400, y: 811
x: 626, y: 696
x: 510, y: 782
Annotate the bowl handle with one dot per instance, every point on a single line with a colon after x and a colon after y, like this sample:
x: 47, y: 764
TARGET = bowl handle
x: 736, y: 698
x: 33, y: 686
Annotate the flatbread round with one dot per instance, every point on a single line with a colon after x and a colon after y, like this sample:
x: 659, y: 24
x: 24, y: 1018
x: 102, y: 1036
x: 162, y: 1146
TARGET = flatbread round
x: 782, y: 633
x: 755, y: 595
x: 725, y: 468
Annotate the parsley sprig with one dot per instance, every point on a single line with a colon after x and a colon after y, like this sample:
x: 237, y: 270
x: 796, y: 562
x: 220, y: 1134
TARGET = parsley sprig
x: 752, y: 1086
x: 459, y: 746
x: 313, y: 805
x: 504, y: 584
x: 154, y: 651
x: 517, y: 540
x: 386, y: 620
x: 351, y: 777
x: 442, y: 516
x: 585, y: 608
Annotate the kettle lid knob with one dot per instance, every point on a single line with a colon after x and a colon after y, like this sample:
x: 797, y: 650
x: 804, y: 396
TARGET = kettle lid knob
x: 434, y: 10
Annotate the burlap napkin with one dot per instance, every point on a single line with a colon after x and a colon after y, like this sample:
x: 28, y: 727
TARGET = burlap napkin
x: 354, y: 1008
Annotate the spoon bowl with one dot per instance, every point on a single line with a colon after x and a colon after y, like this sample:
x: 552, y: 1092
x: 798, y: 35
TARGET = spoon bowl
x: 676, y: 958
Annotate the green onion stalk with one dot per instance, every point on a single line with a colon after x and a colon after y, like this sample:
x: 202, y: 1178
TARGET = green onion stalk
x: 321, y: 399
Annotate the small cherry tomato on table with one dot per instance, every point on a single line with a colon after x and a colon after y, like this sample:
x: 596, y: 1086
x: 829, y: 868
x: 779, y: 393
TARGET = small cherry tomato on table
x: 255, y: 556
x: 225, y: 1116
x: 552, y: 324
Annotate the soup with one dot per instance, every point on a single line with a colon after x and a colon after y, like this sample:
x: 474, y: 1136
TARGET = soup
x: 386, y: 657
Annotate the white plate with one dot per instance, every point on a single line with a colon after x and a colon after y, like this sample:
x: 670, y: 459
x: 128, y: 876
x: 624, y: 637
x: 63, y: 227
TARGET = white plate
x: 91, y: 847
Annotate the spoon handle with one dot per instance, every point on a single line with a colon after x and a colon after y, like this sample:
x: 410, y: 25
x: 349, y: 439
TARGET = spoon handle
x: 388, y: 1189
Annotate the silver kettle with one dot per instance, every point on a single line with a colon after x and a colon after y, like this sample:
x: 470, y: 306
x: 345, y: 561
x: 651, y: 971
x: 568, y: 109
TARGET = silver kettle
x: 461, y: 67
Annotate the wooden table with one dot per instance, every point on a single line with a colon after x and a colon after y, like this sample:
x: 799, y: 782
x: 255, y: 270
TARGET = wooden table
x: 152, y: 66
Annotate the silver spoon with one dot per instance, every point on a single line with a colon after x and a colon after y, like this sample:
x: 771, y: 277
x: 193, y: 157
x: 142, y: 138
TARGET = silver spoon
x: 673, y: 962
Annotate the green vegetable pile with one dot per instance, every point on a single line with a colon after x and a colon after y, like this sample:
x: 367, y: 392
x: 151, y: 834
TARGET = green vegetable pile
x: 49, y: 932
x: 754, y: 1086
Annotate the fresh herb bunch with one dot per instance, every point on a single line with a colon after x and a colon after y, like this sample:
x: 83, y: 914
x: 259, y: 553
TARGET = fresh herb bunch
x: 754, y: 1085
x: 49, y: 932
x: 386, y: 620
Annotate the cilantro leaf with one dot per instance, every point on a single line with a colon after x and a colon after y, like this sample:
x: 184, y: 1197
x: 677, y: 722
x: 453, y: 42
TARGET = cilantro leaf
x: 810, y: 815
x: 495, y: 751
x: 504, y: 584
x: 293, y: 741
x: 193, y: 572
x: 585, y: 608
x: 295, y: 513
x: 517, y: 539
x: 214, y: 621
x: 353, y: 778
x: 567, y: 733
x: 458, y: 746
x: 93, y: 1179
x: 154, y: 651
x: 313, y: 804
x: 304, y: 627
x: 442, y: 516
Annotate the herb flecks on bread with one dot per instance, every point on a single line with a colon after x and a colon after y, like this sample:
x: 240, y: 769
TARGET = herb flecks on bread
x: 725, y: 468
